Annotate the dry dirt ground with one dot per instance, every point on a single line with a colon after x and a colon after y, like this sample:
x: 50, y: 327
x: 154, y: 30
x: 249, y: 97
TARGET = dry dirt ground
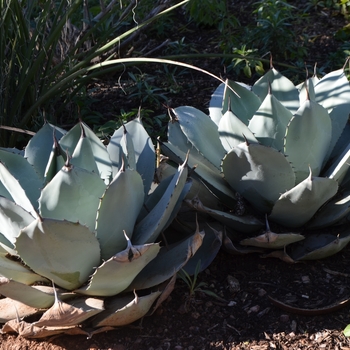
x: 245, y: 317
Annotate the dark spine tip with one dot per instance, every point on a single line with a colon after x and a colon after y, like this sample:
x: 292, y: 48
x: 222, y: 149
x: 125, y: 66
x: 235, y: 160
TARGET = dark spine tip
x: 307, y: 90
x: 83, y: 134
x: 122, y: 169
x: 67, y: 163
x: 172, y: 115
x: 271, y: 64
x: 246, y: 141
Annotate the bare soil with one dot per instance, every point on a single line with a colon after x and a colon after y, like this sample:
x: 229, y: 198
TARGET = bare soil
x: 245, y: 317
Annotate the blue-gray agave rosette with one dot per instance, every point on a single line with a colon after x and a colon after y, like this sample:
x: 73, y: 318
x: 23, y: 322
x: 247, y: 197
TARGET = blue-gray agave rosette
x: 284, y: 148
x: 80, y: 228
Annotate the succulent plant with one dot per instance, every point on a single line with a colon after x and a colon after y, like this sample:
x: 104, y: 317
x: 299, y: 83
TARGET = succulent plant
x: 281, y: 148
x: 81, y: 231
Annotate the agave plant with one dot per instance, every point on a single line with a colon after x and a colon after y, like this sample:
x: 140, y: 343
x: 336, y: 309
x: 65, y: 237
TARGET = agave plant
x: 281, y: 148
x: 80, y: 222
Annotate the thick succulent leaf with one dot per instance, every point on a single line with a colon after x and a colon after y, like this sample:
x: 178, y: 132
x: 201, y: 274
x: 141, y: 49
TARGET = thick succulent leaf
x: 280, y: 254
x: 38, y: 149
x: 331, y: 213
x: 233, y: 131
x: 158, y: 192
x: 14, y: 270
x: 319, y: 246
x: 55, y: 163
x: 204, y: 171
x: 210, y: 175
x: 64, y: 314
x: 13, y: 150
x: 30, y: 296
x: 15, y: 190
x: 259, y: 173
x: 12, y: 219
x: 177, y: 138
x: 11, y: 309
x: 179, y: 203
x: 24, y: 173
x: 307, y: 139
x: 116, y: 274
x: 121, y: 311
x: 149, y: 228
x: 297, y: 206
x: 30, y: 331
x: 272, y: 240
x: 74, y: 195
x: 6, y: 246
x: 307, y: 89
x: 342, y: 143
x: 243, y: 102
x: 246, y: 224
x: 340, y: 166
x: 128, y: 153
x: 118, y: 211
x: 166, y: 288
x: 202, y: 132
x: 333, y: 93
x: 200, y: 190
x: 283, y: 89
x: 270, y: 121
x: 168, y: 261
x: 62, y: 251
x: 216, y: 103
x: 206, y: 252
x: 143, y: 150
x: 236, y: 248
x: 70, y: 142
x: 83, y: 156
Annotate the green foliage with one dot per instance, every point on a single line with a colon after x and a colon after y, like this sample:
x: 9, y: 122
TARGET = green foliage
x: 274, y: 29
x: 144, y: 91
x: 207, y: 12
x: 194, y: 286
x: 154, y: 124
x: 216, y: 14
x: 341, y: 6
x: 347, y: 331
x: 247, y: 62
x: 47, y: 50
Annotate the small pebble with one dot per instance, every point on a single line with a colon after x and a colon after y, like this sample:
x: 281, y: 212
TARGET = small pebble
x: 254, y: 309
x: 261, y: 292
x: 233, y: 284
x: 284, y: 318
